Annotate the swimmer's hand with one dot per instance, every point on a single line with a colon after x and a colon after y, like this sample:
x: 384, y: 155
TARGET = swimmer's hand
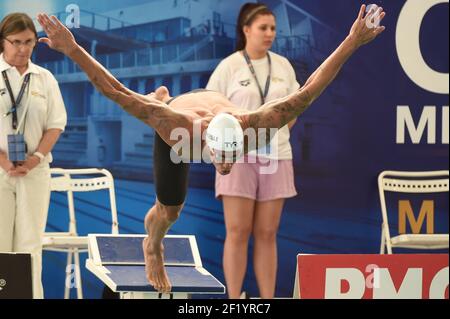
x: 59, y: 38
x: 367, y: 25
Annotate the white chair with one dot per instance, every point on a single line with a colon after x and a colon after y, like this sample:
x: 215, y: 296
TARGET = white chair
x: 412, y: 183
x: 70, y: 181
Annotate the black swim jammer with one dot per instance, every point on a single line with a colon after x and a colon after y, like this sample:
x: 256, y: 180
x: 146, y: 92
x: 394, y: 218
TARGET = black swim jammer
x: 171, y: 180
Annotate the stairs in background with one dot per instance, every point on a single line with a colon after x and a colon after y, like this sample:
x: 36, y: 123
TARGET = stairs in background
x: 137, y: 164
x: 70, y: 150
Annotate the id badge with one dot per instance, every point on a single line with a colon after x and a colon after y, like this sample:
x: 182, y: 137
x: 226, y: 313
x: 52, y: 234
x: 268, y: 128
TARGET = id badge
x: 17, y: 148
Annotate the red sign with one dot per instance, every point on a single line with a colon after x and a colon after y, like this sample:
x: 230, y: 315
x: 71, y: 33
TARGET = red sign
x: 405, y: 276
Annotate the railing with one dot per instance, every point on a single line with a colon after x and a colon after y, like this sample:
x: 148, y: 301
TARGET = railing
x: 149, y: 56
x: 95, y: 20
x: 218, y: 28
x: 294, y: 47
x: 193, y: 49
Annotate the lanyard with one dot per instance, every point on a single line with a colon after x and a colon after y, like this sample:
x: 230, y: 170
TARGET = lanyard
x: 15, y: 104
x: 252, y: 69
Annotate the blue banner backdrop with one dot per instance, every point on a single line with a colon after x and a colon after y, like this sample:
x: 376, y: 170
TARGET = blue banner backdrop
x: 387, y: 110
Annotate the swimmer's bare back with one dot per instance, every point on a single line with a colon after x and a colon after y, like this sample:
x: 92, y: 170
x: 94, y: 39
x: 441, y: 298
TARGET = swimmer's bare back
x: 204, y: 104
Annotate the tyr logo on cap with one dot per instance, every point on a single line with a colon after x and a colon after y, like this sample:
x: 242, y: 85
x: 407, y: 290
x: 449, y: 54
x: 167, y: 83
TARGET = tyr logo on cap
x: 231, y: 144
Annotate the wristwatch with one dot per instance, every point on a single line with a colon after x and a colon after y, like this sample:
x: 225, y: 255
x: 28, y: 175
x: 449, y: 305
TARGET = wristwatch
x: 40, y: 156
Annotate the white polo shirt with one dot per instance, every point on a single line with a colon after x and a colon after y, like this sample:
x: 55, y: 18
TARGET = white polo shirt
x: 42, y: 104
x: 233, y: 78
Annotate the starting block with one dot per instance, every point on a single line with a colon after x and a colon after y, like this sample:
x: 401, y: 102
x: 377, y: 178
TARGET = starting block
x: 118, y: 261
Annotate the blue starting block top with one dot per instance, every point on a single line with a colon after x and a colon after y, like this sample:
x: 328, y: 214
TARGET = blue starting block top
x: 118, y: 261
x: 128, y: 250
x: 183, y: 279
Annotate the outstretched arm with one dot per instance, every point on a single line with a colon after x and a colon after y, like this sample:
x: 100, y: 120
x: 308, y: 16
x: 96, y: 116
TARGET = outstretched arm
x: 147, y: 109
x: 278, y: 113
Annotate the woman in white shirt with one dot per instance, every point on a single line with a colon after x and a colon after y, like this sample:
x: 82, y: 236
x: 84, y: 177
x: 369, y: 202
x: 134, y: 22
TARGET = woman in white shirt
x: 253, y: 194
x: 39, y: 117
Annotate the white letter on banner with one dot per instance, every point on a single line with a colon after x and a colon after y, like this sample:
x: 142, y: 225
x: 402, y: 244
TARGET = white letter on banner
x: 445, y: 123
x: 354, y: 277
x: 408, y: 47
x: 428, y: 118
x: 439, y: 284
x: 410, y: 288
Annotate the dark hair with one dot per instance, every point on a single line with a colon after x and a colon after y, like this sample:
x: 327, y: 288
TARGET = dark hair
x: 249, y: 11
x: 14, y: 23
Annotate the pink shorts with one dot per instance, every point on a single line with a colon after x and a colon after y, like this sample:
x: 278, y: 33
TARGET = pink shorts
x: 260, y: 181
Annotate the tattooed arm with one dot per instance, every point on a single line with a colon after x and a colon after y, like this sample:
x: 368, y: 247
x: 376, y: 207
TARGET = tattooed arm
x: 278, y: 113
x: 148, y: 109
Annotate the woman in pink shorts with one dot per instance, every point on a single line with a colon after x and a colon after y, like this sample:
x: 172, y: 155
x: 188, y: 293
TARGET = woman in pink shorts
x: 253, y: 194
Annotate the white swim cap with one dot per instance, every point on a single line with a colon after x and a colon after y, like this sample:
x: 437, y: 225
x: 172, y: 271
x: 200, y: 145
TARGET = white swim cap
x: 224, y: 133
